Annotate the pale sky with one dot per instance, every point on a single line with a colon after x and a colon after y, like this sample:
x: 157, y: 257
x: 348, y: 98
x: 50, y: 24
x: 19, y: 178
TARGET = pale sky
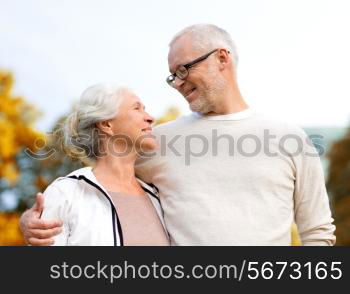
x: 294, y: 54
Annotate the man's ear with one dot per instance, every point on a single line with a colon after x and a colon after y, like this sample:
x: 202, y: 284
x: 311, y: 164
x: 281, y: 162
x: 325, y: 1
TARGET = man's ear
x: 105, y: 127
x: 224, y: 58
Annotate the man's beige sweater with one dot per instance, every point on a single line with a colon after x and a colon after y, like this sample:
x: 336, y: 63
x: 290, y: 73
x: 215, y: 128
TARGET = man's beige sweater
x: 238, y: 179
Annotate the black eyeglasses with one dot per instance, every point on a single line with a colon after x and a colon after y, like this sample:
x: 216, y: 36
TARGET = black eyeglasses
x: 182, y: 71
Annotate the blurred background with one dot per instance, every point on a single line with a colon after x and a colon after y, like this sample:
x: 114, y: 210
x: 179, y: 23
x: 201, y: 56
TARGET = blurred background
x: 294, y: 64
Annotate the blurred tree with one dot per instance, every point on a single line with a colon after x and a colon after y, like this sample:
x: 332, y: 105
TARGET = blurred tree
x: 338, y: 185
x: 171, y: 114
x: 17, y: 134
x: 10, y: 234
x: 16, y: 128
x: 41, y: 168
x: 295, y: 236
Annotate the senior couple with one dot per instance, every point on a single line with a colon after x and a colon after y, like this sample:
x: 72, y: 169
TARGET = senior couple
x: 142, y: 188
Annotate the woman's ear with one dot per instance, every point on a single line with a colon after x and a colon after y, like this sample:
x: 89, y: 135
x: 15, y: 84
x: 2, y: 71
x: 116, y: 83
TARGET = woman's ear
x: 105, y: 127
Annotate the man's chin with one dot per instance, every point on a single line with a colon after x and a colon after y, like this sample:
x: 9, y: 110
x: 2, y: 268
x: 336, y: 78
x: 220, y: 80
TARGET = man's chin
x: 200, y: 106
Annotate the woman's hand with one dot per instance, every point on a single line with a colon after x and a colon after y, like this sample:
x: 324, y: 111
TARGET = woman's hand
x: 38, y: 232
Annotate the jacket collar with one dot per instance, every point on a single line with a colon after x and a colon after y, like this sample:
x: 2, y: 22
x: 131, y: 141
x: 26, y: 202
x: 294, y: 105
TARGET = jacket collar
x: 87, y: 173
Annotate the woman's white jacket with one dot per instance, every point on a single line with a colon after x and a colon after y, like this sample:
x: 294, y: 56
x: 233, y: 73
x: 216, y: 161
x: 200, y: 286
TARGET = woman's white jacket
x: 88, y: 213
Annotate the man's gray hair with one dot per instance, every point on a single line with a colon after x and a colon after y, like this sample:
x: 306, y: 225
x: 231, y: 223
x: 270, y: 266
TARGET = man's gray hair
x: 208, y: 37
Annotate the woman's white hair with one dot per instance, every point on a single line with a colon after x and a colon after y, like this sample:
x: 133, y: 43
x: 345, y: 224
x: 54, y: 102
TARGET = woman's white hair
x: 209, y: 37
x: 97, y: 103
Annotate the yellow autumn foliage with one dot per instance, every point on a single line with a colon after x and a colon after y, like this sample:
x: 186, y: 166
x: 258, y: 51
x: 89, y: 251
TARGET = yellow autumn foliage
x: 16, y: 128
x: 10, y: 234
x: 171, y: 114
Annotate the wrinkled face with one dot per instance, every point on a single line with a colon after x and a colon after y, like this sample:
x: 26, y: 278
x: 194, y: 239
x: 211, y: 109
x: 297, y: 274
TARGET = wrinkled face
x: 134, y: 123
x: 204, y: 82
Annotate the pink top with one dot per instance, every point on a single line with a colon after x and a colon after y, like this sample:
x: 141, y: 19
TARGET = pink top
x: 139, y: 220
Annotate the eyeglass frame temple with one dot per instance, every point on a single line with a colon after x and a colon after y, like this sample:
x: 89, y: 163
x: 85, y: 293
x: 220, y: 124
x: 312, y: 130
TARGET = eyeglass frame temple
x: 199, y: 59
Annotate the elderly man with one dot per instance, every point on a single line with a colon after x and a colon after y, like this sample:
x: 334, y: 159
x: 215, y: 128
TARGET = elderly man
x: 226, y: 176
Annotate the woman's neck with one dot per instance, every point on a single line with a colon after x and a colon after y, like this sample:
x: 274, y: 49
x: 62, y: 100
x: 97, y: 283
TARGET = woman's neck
x: 117, y: 173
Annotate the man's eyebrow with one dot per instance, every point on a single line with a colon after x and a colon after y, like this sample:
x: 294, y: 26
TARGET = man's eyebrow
x: 178, y: 65
x: 175, y: 68
x: 171, y: 71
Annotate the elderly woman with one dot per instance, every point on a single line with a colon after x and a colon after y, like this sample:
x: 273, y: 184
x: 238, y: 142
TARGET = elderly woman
x: 106, y: 204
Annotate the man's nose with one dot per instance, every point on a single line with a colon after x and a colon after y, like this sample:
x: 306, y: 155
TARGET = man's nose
x: 178, y: 83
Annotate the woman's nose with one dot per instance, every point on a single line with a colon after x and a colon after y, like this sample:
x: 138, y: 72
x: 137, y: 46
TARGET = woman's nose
x: 149, y: 118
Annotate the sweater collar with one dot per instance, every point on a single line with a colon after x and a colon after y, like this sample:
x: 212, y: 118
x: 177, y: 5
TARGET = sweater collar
x: 246, y: 113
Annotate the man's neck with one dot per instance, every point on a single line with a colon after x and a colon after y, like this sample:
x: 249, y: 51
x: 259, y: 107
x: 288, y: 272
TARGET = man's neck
x: 231, y: 102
